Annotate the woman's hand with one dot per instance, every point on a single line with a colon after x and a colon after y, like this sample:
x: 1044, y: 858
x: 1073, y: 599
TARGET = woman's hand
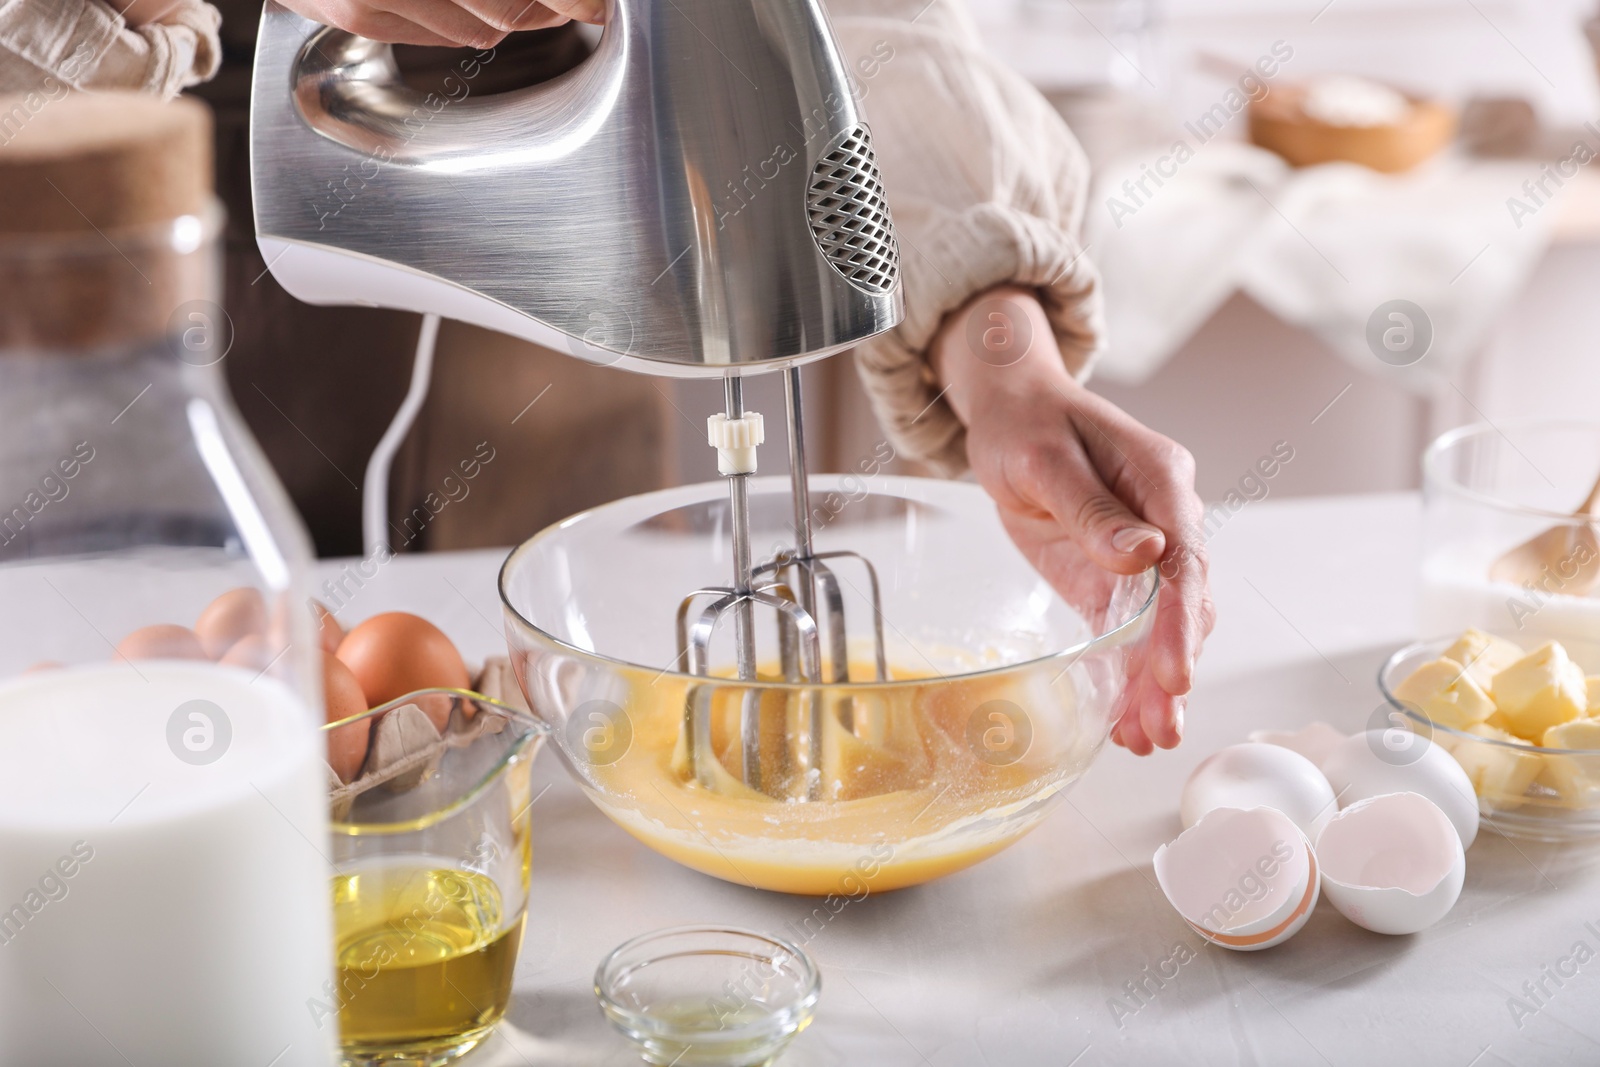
x: 457, y: 23
x: 1082, y: 488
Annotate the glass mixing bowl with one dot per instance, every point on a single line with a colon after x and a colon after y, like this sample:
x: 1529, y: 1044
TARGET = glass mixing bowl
x: 1001, y: 691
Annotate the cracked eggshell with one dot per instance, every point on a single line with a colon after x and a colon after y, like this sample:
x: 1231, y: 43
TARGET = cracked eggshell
x: 1392, y: 863
x: 1259, y: 775
x: 1244, y: 880
x: 1398, y: 761
x: 1314, y: 740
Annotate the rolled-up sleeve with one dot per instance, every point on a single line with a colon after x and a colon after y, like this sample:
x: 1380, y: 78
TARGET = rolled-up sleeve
x: 84, y: 44
x: 986, y: 185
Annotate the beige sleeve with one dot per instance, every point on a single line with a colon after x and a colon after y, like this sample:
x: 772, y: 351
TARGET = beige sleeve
x: 85, y: 44
x: 986, y: 185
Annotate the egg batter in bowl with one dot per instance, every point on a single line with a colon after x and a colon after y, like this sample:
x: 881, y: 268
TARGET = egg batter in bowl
x: 1000, y: 695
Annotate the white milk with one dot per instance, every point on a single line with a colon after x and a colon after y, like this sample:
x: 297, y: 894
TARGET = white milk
x: 1456, y: 593
x: 153, y: 911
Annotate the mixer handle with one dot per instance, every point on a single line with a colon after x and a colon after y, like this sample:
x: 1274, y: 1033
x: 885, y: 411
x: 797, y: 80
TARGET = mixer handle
x: 552, y: 212
x: 349, y: 89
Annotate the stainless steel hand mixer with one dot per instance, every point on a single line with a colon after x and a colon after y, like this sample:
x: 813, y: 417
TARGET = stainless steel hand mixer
x: 698, y: 198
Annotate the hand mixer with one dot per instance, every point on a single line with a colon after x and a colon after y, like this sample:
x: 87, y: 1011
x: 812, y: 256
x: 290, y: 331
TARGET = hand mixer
x: 698, y: 198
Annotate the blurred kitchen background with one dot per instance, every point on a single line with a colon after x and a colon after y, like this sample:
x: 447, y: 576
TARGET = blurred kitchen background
x: 1250, y: 302
x: 1240, y: 293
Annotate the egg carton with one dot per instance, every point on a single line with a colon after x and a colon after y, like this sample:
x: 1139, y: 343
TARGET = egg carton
x: 405, y: 748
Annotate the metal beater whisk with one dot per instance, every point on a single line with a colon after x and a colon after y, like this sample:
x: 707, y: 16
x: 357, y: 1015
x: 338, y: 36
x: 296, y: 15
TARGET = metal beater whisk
x: 800, y: 586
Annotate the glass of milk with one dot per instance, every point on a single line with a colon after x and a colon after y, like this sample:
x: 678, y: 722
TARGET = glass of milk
x: 1488, y: 489
x: 164, y: 849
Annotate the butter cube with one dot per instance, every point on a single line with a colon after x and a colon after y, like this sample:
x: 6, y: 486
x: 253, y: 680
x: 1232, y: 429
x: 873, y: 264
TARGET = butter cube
x: 1540, y: 690
x: 1501, y: 775
x: 1593, y: 683
x: 1579, y: 733
x: 1575, y: 778
x: 1484, y: 655
x: 1446, y: 693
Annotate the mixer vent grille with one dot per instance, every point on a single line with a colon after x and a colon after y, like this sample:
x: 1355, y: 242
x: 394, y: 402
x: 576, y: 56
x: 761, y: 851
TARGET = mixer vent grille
x: 850, y: 216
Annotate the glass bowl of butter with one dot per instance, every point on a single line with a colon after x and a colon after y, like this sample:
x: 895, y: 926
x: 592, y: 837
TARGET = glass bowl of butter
x: 999, y: 691
x: 1521, y: 717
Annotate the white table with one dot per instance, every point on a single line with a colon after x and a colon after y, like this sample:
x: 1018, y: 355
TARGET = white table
x: 1014, y: 963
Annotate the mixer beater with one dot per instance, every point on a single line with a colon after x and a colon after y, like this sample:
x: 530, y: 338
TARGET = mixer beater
x: 800, y: 587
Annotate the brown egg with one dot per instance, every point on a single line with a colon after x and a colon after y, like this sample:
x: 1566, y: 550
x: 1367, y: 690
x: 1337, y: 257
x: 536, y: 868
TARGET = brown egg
x: 254, y: 653
x: 395, y: 653
x: 347, y: 746
x: 329, y: 632
x: 161, y: 641
x: 227, y: 620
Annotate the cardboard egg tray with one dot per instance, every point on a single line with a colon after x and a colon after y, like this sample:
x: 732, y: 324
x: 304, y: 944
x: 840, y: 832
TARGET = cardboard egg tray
x: 405, y: 747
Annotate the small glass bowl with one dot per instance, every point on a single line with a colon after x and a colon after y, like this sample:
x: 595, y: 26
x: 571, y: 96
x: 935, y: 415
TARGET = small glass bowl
x: 708, y: 996
x: 1524, y: 790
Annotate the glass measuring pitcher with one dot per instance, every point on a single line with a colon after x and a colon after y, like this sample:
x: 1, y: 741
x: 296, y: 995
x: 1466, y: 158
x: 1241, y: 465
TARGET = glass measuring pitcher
x: 431, y: 858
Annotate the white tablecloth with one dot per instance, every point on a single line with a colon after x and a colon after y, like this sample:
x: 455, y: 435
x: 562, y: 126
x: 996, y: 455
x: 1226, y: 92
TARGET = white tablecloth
x: 1322, y: 248
x: 1018, y: 961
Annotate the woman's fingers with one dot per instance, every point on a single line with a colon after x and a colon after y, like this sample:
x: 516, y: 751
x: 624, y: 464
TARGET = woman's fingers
x: 1183, y: 619
x: 369, y: 21
x: 1156, y: 476
x: 454, y: 23
x: 1060, y: 478
x: 1161, y: 716
x: 1122, y: 496
x: 446, y: 23
x: 513, y: 15
x: 1130, y: 734
x: 1151, y: 717
x: 582, y: 10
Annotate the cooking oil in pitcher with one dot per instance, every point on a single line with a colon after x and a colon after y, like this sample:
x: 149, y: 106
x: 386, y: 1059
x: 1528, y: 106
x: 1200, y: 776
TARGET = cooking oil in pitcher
x: 425, y: 954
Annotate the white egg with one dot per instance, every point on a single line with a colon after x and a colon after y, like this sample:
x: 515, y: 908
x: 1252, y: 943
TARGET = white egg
x: 1245, y: 880
x: 1257, y: 775
x: 1399, y: 761
x: 1314, y: 741
x: 1392, y: 863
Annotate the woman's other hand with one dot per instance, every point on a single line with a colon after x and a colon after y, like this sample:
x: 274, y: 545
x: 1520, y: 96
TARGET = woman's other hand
x: 1082, y: 488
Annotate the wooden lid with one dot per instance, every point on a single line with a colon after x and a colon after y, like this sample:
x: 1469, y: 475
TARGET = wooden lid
x: 105, y: 161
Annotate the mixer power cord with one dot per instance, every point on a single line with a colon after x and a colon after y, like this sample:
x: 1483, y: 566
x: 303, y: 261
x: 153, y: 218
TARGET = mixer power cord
x: 375, y: 483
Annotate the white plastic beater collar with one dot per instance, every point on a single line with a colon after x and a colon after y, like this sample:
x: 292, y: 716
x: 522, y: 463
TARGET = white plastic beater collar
x: 735, y: 441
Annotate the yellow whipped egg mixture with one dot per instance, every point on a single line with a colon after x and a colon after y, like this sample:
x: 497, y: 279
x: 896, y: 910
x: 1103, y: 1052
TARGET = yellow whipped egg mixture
x: 915, y: 780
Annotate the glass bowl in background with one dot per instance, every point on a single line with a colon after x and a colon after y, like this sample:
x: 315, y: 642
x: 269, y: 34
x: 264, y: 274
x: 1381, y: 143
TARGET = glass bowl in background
x: 1001, y: 691
x: 1486, y: 490
x: 432, y: 859
x: 707, y: 996
x: 1545, y: 794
